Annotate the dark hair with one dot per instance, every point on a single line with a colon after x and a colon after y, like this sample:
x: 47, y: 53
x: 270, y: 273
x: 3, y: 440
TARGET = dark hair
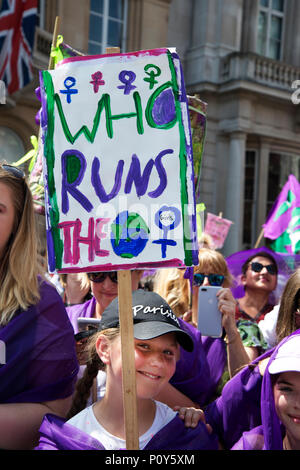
x: 263, y: 254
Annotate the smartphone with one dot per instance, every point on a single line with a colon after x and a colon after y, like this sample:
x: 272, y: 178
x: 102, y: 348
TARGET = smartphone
x: 209, y: 317
x: 87, y: 323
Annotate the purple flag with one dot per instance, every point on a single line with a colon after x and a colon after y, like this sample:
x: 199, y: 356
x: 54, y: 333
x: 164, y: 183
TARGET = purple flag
x: 283, y: 221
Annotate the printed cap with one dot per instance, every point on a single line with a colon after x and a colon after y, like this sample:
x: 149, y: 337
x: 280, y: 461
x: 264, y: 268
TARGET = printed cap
x: 152, y: 317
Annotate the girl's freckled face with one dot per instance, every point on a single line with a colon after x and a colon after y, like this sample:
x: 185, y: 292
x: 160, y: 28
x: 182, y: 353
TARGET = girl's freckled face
x: 155, y: 363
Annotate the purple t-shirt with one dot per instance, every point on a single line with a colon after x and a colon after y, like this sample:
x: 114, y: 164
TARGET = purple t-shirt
x: 86, y: 310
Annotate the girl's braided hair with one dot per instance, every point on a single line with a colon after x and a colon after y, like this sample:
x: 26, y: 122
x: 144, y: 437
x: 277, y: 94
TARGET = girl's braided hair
x: 93, y: 365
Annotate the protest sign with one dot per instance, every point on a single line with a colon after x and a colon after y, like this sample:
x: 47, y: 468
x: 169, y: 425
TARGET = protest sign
x: 118, y: 164
x: 217, y: 228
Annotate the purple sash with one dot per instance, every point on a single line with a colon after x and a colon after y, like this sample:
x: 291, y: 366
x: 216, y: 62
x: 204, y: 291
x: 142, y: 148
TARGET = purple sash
x: 40, y: 357
x: 271, y: 428
x: 55, y: 434
x: 238, y: 408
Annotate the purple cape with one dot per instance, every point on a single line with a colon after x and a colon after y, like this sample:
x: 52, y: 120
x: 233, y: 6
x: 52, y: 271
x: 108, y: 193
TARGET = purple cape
x: 269, y: 435
x: 197, y: 373
x: 238, y: 408
x: 40, y: 363
x: 56, y: 434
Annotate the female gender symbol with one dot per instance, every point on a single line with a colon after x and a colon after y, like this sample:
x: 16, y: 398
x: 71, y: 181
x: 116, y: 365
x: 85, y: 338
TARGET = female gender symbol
x: 97, y: 81
x: 127, y: 77
x: 152, y: 74
x: 69, y: 83
x: 166, y: 218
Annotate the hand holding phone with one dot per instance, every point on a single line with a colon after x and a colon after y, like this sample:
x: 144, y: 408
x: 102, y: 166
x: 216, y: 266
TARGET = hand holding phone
x: 209, y: 316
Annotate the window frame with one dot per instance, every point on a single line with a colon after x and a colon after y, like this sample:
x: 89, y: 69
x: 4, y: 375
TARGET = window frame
x: 271, y: 12
x: 106, y: 18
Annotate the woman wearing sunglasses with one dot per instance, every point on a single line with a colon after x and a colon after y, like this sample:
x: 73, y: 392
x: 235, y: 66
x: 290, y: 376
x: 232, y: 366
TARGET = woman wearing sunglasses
x: 104, y: 288
x: 211, y: 354
x: 213, y: 270
x: 259, y: 279
x: 34, y: 326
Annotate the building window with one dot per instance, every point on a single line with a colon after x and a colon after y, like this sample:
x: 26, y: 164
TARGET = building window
x: 11, y: 146
x: 107, y: 25
x: 249, y: 198
x: 270, y: 28
x: 281, y: 166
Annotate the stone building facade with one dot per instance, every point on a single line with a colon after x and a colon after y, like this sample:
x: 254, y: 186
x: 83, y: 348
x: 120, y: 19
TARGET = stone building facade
x: 240, y: 56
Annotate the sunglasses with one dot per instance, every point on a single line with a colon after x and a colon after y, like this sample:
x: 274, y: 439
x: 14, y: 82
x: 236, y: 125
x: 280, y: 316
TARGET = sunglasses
x: 257, y: 267
x: 213, y: 279
x: 100, y: 277
x: 13, y: 170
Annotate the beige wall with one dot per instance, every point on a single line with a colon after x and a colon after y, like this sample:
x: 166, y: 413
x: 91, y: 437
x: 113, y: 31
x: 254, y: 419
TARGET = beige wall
x: 147, y: 24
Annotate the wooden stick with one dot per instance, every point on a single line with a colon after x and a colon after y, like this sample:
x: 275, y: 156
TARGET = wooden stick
x: 127, y: 348
x: 54, y: 39
x: 128, y: 361
x: 259, y: 239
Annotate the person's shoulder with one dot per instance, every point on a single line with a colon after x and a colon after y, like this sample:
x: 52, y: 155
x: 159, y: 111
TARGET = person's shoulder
x: 164, y: 410
x: 48, y: 293
x: 191, y: 329
x: 58, y: 434
x: 80, y: 308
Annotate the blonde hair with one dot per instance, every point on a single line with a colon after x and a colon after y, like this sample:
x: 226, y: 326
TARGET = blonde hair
x: 19, y: 267
x: 174, y: 288
x: 93, y: 365
x: 170, y: 284
x: 85, y: 283
x: 212, y: 259
x: 286, y: 322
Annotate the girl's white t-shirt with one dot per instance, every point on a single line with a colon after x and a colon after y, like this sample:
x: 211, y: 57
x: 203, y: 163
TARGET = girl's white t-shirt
x: 87, y: 422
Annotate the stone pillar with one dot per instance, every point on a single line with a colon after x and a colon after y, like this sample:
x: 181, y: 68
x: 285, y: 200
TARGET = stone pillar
x: 262, y: 186
x: 235, y: 191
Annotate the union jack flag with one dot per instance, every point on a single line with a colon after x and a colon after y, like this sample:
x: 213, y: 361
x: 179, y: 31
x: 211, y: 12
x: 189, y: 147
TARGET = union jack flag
x: 17, y: 28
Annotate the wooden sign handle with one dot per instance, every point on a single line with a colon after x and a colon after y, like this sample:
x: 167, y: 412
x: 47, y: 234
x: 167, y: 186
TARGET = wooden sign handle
x: 128, y: 362
x: 127, y: 348
x: 54, y: 39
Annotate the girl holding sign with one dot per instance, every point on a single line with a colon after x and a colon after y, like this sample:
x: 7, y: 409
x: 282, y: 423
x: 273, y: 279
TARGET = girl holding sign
x: 157, y: 336
x: 34, y: 327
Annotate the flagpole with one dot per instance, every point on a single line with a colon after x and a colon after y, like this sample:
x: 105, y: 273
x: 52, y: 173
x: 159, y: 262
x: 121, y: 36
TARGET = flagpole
x: 259, y: 238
